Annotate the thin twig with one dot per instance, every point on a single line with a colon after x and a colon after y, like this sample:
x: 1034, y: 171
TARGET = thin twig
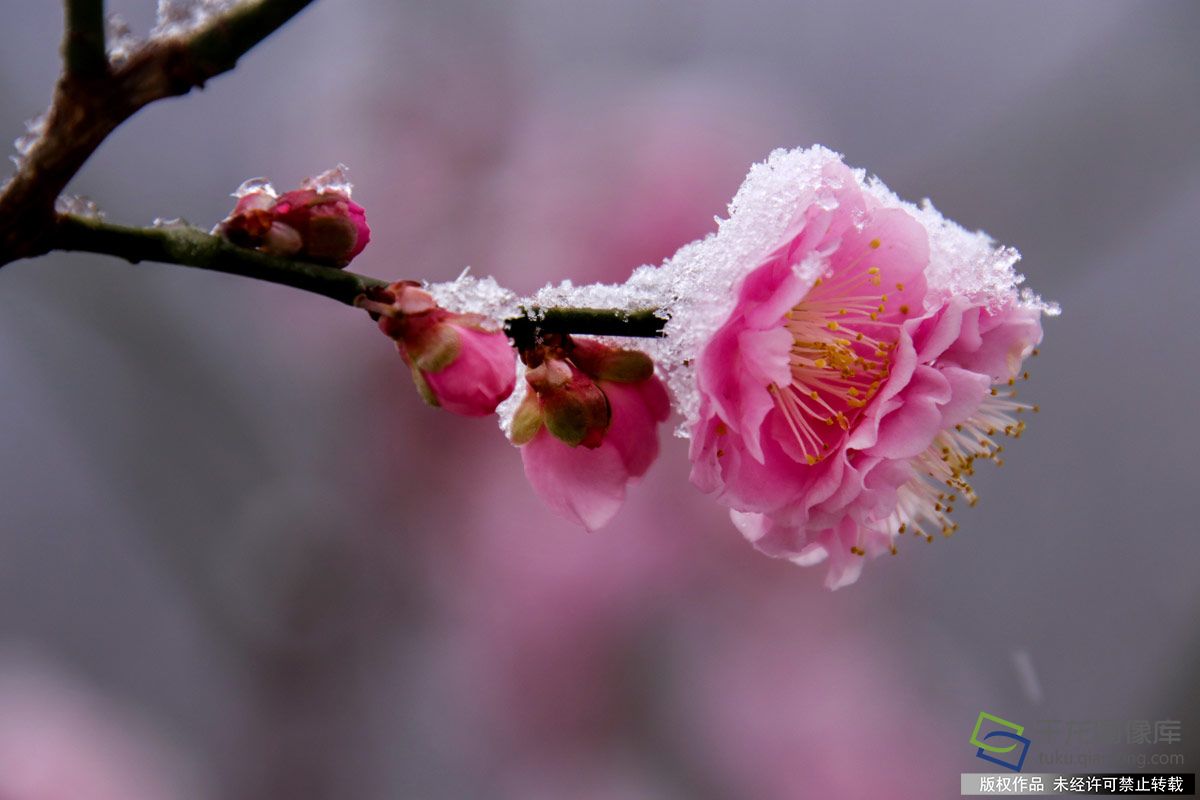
x: 193, y: 247
x: 526, y: 330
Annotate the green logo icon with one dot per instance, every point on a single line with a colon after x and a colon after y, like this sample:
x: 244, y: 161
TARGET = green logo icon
x: 999, y: 730
x: 991, y: 748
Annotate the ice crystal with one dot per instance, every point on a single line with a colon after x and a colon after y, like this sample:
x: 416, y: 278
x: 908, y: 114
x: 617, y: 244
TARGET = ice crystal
x: 78, y: 206
x: 24, y: 144
x: 181, y: 17
x: 170, y: 223
x: 331, y: 180
x: 255, y: 186
x: 119, y: 39
x: 470, y: 295
x: 508, y: 409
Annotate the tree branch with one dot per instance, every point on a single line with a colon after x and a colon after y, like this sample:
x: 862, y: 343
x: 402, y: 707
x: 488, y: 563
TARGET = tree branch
x: 85, y: 111
x: 526, y: 330
x: 84, y: 53
x: 193, y: 247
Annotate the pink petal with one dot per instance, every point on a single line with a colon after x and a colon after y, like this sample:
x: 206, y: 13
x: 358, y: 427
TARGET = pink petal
x: 587, y: 486
x: 907, y: 431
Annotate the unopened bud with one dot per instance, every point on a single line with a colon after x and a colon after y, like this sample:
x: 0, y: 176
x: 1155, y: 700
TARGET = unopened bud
x: 611, y: 363
x: 316, y: 224
x: 573, y: 407
x: 457, y: 363
x: 332, y: 226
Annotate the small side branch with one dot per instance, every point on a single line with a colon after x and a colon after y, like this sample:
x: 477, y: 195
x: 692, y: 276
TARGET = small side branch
x: 84, y: 54
x: 216, y: 47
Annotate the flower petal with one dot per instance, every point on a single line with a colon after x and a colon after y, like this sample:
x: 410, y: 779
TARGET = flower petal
x: 587, y: 486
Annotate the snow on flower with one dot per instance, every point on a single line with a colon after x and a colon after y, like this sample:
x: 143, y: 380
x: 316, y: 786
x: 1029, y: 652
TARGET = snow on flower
x: 588, y: 426
x: 867, y: 362
x: 458, y: 361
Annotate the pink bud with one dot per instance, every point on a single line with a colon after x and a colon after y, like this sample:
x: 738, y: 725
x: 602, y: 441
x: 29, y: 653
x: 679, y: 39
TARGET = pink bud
x: 250, y: 221
x: 332, y: 227
x: 315, y: 224
x: 456, y: 362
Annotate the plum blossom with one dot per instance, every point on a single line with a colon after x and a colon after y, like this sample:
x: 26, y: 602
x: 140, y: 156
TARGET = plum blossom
x: 588, y: 426
x: 847, y: 396
x: 458, y: 362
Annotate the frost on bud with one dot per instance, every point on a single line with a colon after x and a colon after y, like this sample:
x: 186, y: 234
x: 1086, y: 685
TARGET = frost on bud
x: 588, y: 426
x: 456, y: 363
x: 318, y: 223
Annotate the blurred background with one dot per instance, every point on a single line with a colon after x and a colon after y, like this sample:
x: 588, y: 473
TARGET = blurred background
x: 240, y: 558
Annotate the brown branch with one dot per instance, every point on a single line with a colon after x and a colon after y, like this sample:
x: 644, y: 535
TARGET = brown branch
x: 88, y: 107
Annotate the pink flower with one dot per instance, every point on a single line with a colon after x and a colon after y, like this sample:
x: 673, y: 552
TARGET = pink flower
x: 589, y: 426
x: 843, y: 401
x: 457, y: 362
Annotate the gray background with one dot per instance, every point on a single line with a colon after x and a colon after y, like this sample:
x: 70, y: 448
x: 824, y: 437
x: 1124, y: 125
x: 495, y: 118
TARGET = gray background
x: 224, y: 508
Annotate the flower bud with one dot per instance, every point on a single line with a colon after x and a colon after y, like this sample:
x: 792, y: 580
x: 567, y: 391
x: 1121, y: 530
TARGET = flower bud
x: 250, y: 221
x: 457, y: 363
x: 332, y: 227
x: 574, y: 409
x: 611, y: 363
x: 318, y: 223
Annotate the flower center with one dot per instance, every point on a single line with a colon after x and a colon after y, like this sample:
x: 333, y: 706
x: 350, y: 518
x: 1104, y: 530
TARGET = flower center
x: 843, y: 332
